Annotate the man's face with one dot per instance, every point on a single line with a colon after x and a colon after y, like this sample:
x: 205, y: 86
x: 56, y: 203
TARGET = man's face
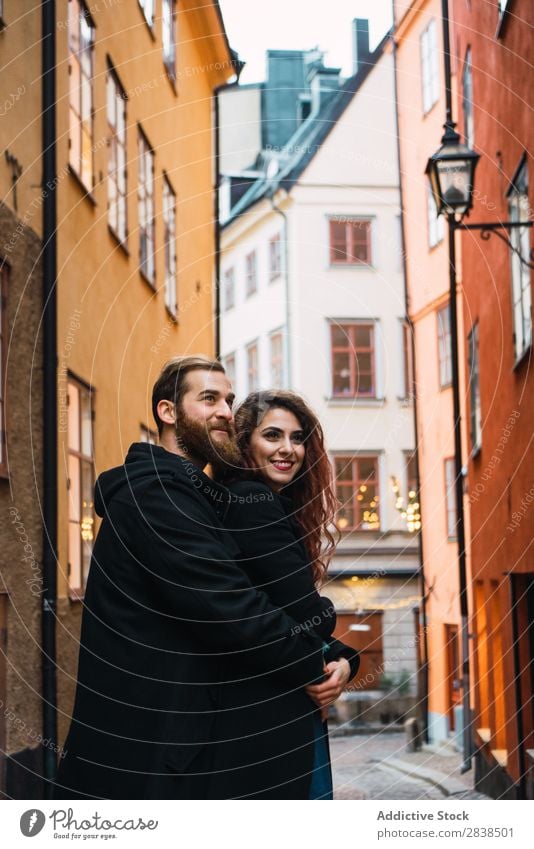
x: 204, y: 420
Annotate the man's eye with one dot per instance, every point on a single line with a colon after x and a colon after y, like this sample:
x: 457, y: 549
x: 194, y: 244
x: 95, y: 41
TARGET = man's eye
x: 209, y: 398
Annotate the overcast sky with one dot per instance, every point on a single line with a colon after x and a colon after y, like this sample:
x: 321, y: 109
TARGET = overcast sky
x: 254, y: 27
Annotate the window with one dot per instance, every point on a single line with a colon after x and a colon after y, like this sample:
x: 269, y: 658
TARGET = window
x: 81, y: 42
x: 436, y: 224
x: 277, y: 360
x: 275, y: 258
x: 519, y: 210
x: 117, y: 180
x: 169, y: 239
x: 450, y: 497
x: 168, y: 13
x: 444, y: 346
x: 353, y: 360
x: 229, y: 289
x: 230, y: 368
x: 350, y: 242
x: 251, y: 273
x: 3, y: 359
x: 148, y: 11
x: 407, y: 359
x: 467, y: 100
x: 146, y: 434
x: 146, y: 209
x: 411, y: 474
x: 429, y: 66
x: 80, y: 483
x: 357, y: 493
x: 474, y: 389
x: 252, y: 367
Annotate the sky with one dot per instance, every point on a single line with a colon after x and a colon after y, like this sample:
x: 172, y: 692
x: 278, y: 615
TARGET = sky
x: 254, y: 27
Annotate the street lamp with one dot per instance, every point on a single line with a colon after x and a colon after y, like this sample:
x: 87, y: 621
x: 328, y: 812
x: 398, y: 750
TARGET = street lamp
x: 451, y: 171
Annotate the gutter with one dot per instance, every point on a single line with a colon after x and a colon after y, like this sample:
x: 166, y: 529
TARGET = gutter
x: 49, y: 258
x: 238, y: 65
x: 287, y: 348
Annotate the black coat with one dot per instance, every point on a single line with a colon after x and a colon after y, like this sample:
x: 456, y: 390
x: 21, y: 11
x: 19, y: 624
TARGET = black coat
x: 267, y: 722
x: 167, y: 613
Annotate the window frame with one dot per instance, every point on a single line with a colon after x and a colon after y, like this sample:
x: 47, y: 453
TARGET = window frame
x: 145, y: 152
x: 231, y: 372
x: 429, y: 64
x: 4, y: 289
x: 77, y: 592
x: 251, y: 273
x: 114, y: 143
x: 150, y: 23
x: 275, y: 257
x: 475, y: 404
x: 169, y: 247
x: 277, y: 334
x: 229, y: 274
x: 443, y: 334
x: 252, y: 386
x: 355, y: 483
x: 352, y: 350
x: 435, y: 222
x: 169, y: 63
x: 451, y: 511
x: 74, y: 56
x: 467, y: 99
x: 520, y: 275
x: 348, y: 223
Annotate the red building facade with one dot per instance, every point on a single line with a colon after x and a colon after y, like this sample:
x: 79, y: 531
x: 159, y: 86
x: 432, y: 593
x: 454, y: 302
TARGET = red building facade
x: 494, y: 115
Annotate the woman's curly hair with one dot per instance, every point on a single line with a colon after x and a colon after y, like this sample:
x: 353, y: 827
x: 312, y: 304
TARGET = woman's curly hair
x: 312, y: 490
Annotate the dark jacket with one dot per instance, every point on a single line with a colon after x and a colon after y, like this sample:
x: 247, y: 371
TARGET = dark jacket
x: 166, y: 612
x: 268, y: 723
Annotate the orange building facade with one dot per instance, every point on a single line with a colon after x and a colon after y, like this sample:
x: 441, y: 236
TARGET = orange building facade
x: 421, y: 113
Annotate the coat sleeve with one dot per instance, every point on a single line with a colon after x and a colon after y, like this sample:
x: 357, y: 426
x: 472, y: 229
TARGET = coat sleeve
x: 275, y: 562
x: 200, y: 584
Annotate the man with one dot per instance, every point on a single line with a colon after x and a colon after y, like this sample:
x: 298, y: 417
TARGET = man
x: 166, y: 606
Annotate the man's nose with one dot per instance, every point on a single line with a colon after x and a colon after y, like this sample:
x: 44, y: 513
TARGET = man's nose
x: 224, y: 411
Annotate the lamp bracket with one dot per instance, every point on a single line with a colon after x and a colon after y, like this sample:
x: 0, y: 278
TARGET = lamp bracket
x: 487, y: 229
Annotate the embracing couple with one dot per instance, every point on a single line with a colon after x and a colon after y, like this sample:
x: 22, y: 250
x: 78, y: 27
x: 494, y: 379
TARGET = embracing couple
x: 207, y: 661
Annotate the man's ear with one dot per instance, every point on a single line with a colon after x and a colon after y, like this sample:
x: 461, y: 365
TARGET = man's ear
x: 167, y: 412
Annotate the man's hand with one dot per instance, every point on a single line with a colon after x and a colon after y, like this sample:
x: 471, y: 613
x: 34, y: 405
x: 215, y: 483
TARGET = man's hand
x: 338, y: 672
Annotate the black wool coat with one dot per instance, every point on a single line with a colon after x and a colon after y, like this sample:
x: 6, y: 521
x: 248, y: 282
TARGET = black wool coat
x: 166, y: 612
x: 267, y: 722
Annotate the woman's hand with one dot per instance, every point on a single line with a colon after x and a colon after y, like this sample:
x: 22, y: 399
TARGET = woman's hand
x: 328, y: 691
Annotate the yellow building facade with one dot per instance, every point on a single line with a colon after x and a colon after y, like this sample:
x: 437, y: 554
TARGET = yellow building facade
x: 135, y: 233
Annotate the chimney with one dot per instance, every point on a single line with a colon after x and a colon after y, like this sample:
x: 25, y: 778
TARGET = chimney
x: 324, y: 84
x: 360, y: 43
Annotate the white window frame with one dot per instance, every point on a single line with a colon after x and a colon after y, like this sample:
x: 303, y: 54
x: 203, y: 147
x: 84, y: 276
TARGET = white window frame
x: 519, y: 210
x: 474, y: 389
x: 168, y: 35
x: 117, y: 157
x: 467, y: 99
x: 148, y: 7
x: 146, y: 208
x: 169, y: 243
x: 279, y: 333
x: 436, y: 223
x: 229, y: 286
x: 253, y: 346
x: 429, y: 66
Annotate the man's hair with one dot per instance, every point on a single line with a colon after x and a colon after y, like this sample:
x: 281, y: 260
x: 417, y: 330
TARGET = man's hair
x: 172, y: 385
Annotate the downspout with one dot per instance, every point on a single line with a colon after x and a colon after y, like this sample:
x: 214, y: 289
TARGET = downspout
x: 238, y: 65
x: 287, y: 349
x: 49, y: 259
x: 423, y: 619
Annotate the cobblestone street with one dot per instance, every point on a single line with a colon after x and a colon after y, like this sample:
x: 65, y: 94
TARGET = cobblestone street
x: 378, y: 766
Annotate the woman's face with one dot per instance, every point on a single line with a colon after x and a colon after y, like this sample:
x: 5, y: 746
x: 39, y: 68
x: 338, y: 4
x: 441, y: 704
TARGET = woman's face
x: 277, y: 447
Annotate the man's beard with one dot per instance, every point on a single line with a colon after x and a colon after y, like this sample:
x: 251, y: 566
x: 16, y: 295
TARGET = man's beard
x: 194, y: 438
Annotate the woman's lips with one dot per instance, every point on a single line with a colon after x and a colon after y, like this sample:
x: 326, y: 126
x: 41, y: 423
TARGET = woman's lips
x: 282, y: 465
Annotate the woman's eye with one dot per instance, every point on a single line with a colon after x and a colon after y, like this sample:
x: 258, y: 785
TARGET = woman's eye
x: 298, y: 438
x: 271, y: 435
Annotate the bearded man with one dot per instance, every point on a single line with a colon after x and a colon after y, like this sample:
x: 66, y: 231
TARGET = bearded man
x: 166, y: 608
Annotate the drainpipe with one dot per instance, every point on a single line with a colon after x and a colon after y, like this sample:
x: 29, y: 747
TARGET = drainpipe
x: 286, y: 283
x: 423, y: 619
x: 49, y: 259
x: 238, y: 65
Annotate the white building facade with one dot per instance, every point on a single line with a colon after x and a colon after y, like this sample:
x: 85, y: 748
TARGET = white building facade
x: 312, y: 298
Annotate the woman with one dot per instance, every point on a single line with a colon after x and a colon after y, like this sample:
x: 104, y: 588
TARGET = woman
x: 281, y: 512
